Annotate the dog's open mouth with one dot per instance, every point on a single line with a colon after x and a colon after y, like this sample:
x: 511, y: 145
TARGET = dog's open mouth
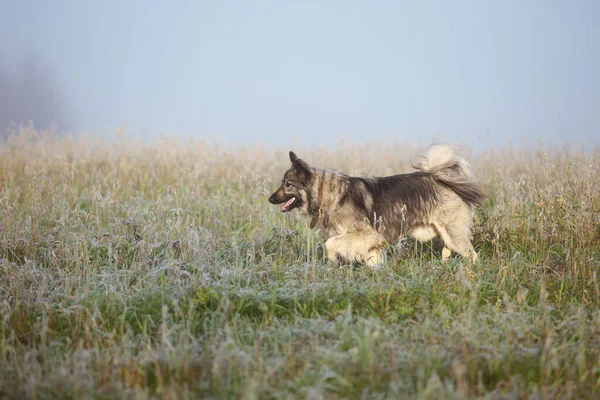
x: 286, y: 206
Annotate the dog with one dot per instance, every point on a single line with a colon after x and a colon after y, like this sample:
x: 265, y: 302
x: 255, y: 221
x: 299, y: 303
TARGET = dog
x: 359, y: 216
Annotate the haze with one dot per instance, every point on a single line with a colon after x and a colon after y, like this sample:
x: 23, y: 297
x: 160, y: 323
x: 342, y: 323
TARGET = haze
x: 312, y: 73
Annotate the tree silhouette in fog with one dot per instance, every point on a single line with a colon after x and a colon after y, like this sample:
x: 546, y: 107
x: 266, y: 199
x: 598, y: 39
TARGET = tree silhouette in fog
x: 31, y: 92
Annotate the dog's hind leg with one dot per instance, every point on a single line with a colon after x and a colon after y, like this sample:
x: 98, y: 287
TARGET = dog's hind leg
x: 446, y: 252
x: 456, y: 240
x: 356, y: 246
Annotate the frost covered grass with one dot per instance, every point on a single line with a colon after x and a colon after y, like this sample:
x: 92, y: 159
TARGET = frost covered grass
x: 131, y: 269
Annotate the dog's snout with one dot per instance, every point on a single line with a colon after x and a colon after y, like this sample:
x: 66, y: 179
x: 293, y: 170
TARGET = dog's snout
x: 273, y: 198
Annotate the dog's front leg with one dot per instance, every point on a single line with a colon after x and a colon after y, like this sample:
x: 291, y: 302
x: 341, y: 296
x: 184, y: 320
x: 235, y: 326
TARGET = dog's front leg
x: 356, y: 246
x: 331, y: 247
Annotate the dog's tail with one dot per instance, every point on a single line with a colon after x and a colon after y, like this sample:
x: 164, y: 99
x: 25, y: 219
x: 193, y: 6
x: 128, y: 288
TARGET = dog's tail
x: 450, y: 170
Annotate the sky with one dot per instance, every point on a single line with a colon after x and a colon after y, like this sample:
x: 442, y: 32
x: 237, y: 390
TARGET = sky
x: 306, y: 72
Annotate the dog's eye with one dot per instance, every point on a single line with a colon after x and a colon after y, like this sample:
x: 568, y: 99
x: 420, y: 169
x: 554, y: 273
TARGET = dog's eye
x: 288, y: 185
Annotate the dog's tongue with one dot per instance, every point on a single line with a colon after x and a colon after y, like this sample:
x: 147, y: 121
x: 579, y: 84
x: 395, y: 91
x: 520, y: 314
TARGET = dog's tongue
x: 288, y: 203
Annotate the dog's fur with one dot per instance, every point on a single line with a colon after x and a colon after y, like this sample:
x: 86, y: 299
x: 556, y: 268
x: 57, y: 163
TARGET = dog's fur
x: 357, y: 216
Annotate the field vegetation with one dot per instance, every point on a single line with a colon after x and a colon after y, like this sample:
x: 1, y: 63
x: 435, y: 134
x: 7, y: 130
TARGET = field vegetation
x: 139, y: 269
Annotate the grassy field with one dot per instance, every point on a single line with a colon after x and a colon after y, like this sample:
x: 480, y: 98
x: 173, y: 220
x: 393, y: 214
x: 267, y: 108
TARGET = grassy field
x: 137, y: 270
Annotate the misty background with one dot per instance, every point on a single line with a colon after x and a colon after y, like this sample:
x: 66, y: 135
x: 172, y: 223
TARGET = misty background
x: 309, y: 73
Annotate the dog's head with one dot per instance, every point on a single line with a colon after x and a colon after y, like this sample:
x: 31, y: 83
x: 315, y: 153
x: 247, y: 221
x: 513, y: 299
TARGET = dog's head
x: 295, y: 186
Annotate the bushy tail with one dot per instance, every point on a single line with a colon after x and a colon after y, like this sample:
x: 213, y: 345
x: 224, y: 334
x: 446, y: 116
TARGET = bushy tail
x: 450, y: 170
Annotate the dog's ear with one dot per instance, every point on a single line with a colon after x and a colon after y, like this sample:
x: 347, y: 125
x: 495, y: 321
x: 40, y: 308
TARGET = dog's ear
x: 300, y: 164
x: 293, y: 157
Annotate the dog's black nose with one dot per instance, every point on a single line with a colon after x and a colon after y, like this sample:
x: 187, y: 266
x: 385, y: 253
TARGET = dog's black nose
x: 271, y: 199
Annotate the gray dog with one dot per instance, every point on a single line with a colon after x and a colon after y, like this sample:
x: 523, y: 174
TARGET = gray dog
x: 357, y: 216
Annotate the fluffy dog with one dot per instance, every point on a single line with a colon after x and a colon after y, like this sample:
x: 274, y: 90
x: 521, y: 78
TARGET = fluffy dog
x: 359, y: 216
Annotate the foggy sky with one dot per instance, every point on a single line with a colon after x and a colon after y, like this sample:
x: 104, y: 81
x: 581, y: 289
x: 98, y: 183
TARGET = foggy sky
x: 30, y: 91
x: 311, y: 72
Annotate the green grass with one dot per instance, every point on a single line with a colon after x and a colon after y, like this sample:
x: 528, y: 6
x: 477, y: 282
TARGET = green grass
x: 159, y: 270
